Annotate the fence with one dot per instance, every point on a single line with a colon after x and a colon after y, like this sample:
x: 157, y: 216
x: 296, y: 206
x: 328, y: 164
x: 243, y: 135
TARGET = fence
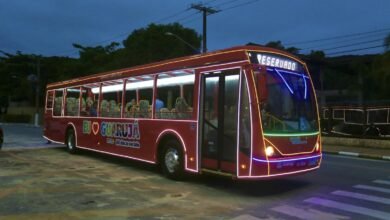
x: 356, y: 121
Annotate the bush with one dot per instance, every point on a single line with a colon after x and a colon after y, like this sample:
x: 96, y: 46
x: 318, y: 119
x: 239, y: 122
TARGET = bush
x: 12, y: 118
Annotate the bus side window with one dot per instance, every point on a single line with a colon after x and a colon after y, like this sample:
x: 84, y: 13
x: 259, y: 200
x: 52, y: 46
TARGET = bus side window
x: 111, y: 100
x: 245, y: 127
x: 49, y: 100
x: 144, y: 109
x: 131, y: 106
x: 58, y: 95
x: 174, y: 95
x: 72, y: 101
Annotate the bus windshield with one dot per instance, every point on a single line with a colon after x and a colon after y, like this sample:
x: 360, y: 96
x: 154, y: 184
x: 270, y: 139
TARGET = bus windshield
x: 287, y: 102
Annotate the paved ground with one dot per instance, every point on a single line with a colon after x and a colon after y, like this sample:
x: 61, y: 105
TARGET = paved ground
x: 52, y: 184
x: 365, y: 152
x: 23, y: 136
x: 49, y: 183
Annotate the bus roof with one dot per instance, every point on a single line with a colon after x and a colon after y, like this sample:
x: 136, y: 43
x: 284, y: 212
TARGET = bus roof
x: 234, y: 54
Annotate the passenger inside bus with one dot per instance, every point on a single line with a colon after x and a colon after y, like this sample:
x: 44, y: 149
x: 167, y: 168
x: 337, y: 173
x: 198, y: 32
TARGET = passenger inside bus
x: 93, y: 109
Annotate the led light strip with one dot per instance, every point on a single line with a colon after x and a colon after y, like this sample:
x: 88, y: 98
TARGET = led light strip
x: 286, y: 160
x: 290, y: 135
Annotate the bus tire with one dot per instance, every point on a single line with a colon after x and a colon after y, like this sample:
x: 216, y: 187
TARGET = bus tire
x: 172, y: 160
x: 70, y: 141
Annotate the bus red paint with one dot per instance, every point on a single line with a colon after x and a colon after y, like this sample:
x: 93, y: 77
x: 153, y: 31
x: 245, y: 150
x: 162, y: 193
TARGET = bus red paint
x: 246, y: 112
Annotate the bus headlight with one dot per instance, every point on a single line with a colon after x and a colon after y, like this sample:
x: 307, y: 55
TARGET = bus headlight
x: 317, y: 146
x: 269, y: 151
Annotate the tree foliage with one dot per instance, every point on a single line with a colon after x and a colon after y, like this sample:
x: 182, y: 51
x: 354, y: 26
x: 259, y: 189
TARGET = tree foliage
x: 142, y: 46
x: 370, y: 74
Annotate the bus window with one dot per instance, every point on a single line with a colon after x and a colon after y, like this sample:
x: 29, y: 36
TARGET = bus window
x: 58, y: 95
x: 338, y: 114
x: 111, y: 100
x: 377, y: 116
x: 89, y: 100
x: 354, y: 116
x: 141, y: 101
x: 72, y: 101
x: 245, y: 126
x: 174, y: 95
x: 131, y: 104
x: 49, y: 100
x: 145, y: 103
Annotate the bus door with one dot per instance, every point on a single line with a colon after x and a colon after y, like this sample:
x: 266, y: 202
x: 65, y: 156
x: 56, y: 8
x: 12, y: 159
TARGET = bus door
x: 218, y: 120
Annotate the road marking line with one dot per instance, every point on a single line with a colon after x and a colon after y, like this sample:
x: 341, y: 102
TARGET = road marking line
x: 382, y: 182
x: 349, y: 153
x: 373, y: 188
x: 349, y: 208
x: 362, y: 196
x: 307, y: 213
x: 245, y: 217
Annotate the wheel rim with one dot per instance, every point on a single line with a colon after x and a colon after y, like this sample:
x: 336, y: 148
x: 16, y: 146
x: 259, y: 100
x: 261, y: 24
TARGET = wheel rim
x: 70, y: 141
x: 172, y: 160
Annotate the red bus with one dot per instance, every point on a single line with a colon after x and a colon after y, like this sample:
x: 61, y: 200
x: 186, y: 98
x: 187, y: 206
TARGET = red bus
x: 245, y: 112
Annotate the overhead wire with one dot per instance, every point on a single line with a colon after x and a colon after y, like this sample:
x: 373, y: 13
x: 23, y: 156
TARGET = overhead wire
x: 192, y: 17
x: 354, y: 50
x: 383, y: 35
x: 338, y: 37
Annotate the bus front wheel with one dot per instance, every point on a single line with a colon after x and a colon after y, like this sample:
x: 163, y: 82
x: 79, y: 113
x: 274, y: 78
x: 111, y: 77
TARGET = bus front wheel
x: 172, y: 160
x: 71, y: 141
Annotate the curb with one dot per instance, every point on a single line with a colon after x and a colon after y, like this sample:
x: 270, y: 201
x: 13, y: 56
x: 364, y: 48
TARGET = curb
x: 353, y: 154
x: 21, y: 124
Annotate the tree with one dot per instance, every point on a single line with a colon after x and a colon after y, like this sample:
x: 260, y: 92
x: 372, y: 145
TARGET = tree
x: 278, y: 45
x: 387, y: 43
x: 152, y: 44
x: 95, y: 59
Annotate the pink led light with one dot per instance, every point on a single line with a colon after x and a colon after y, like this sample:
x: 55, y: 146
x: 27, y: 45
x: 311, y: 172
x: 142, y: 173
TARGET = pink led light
x: 279, y: 174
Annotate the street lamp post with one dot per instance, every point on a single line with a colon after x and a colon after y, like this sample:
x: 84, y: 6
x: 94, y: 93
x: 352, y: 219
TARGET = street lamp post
x: 182, y: 40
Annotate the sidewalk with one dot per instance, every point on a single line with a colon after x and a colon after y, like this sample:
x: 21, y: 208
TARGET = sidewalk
x: 364, y: 152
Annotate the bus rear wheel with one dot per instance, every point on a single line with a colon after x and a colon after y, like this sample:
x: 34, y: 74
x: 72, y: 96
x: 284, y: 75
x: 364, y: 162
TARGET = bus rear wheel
x: 71, y: 141
x: 172, y: 160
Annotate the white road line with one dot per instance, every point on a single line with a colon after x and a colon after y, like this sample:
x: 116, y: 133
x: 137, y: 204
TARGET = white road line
x: 311, y: 214
x: 245, y: 217
x: 349, y: 153
x: 349, y: 208
x: 373, y: 188
x: 386, y: 182
x: 362, y: 196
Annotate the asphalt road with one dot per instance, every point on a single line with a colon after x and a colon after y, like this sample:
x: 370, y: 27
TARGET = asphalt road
x: 23, y: 136
x: 49, y: 183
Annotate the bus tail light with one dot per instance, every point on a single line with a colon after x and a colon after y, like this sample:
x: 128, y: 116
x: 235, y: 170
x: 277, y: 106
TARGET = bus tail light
x: 269, y: 151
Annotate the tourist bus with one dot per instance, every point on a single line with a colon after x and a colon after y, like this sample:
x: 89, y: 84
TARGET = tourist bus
x: 245, y: 112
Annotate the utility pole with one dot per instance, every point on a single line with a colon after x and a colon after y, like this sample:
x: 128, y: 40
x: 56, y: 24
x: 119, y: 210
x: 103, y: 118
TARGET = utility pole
x: 37, y: 91
x: 206, y: 11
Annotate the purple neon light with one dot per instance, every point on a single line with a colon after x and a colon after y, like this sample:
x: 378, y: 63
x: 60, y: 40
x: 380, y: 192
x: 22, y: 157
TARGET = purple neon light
x: 285, y: 82
x: 292, y: 73
x: 286, y: 160
x: 289, y: 72
x: 304, y: 82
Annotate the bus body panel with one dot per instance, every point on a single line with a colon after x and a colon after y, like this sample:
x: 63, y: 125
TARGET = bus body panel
x: 100, y: 134
x: 139, y: 139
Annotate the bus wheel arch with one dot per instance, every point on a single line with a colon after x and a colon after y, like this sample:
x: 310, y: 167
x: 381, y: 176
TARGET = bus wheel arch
x: 70, y: 139
x: 171, y: 156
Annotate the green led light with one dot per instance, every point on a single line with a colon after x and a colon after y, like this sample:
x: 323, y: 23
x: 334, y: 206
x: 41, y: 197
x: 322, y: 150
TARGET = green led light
x: 291, y: 134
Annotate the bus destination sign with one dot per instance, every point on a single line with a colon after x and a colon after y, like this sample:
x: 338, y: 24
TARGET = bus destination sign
x: 272, y: 60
